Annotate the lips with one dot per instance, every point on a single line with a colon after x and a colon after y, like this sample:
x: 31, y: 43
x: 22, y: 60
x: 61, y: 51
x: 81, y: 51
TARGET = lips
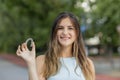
x: 65, y: 38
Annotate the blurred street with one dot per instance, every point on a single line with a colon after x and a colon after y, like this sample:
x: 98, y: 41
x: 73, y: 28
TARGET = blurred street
x: 107, y: 68
x: 96, y: 24
x: 14, y: 68
x: 10, y: 71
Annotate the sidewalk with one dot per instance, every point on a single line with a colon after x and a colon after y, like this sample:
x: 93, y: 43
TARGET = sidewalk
x: 14, y: 68
x: 10, y: 71
x: 107, y: 68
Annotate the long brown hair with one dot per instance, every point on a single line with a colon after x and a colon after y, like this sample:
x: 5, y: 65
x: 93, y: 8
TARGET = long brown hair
x: 52, y: 63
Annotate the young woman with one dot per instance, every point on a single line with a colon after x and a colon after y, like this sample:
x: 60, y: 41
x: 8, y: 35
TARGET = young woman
x: 65, y: 58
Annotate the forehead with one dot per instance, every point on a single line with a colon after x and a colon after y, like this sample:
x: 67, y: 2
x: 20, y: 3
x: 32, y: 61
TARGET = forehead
x: 66, y: 21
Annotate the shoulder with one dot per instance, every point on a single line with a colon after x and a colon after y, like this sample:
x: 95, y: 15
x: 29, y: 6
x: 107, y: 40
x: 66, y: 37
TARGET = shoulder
x: 90, y: 61
x: 40, y: 58
x: 91, y: 64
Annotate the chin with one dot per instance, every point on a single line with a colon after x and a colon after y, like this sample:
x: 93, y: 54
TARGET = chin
x: 65, y: 45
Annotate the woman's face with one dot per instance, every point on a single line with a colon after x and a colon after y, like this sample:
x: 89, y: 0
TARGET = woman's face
x: 66, y: 32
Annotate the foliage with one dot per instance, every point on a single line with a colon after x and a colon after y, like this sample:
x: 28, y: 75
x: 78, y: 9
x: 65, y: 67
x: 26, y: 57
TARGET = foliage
x: 21, y: 19
x: 105, y: 16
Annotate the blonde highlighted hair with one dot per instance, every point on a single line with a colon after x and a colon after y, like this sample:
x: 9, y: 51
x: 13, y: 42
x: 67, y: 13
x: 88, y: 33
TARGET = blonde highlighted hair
x: 52, y: 63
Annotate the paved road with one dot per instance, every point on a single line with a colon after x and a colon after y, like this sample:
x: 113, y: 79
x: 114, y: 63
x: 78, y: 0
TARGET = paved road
x: 10, y: 71
x: 13, y: 68
x: 109, y: 67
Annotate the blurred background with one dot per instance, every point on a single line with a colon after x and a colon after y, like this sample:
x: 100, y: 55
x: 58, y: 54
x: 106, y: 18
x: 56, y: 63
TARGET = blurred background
x: 100, y: 26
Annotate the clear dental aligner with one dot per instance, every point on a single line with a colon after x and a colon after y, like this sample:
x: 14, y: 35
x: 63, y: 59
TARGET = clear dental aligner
x: 29, y: 39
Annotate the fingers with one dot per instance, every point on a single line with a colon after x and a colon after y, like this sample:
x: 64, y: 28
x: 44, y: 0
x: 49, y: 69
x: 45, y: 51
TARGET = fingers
x: 24, y: 47
x: 33, y: 46
x: 21, y: 49
x: 18, y: 52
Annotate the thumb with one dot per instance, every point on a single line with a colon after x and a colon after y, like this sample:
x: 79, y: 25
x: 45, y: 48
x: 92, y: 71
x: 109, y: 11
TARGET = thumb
x: 33, y: 46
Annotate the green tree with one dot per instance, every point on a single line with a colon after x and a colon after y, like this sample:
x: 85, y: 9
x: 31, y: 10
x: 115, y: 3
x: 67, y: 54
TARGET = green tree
x: 21, y: 19
x: 105, y: 16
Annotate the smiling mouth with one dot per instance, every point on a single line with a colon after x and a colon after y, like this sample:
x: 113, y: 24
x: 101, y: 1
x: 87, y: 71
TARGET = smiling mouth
x: 65, y: 38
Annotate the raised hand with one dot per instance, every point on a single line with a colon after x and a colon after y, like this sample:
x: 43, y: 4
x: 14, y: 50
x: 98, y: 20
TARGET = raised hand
x: 25, y: 53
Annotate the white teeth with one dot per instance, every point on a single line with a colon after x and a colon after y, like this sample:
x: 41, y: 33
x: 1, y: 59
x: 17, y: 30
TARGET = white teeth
x: 65, y: 38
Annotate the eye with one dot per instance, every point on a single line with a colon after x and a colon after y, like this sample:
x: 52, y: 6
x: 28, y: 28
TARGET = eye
x: 60, y: 27
x: 71, y: 28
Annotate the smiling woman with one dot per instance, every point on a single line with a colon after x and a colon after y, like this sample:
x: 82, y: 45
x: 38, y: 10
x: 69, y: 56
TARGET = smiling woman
x: 66, y: 33
x: 65, y: 58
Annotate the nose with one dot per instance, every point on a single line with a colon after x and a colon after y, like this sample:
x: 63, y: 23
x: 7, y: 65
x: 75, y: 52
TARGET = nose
x: 65, y: 31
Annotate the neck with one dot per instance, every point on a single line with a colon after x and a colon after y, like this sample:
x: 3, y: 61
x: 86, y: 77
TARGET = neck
x: 66, y: 52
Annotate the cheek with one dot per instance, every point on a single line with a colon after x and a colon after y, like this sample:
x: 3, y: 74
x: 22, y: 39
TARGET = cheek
x: 74, y: 35
x: 58, y: 33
